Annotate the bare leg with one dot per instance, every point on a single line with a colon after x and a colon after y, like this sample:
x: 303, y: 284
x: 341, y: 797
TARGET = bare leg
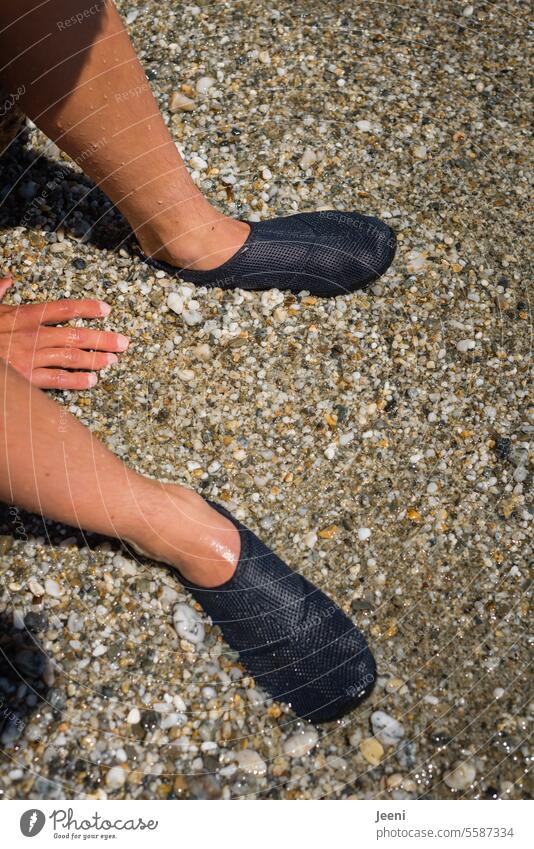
x: 76, y: 79
x: 52, y: 465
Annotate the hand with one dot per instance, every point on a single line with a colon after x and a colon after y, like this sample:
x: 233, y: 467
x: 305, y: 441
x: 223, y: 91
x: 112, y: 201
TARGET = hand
x: 56, y: 357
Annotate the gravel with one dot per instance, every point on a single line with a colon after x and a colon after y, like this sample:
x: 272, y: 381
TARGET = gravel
x: 380, y: 442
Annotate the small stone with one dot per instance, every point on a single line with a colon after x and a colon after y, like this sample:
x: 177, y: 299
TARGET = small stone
x: 203, y: 353
x: 178, y: 102
x: 191, y: 317
x: 198, y: 162
x: 310, y: 539
x: 364, y: 533
x: 264, y: 57
x: 308, y: 158
x: 204, y: 84
x: 460, y: 776
x: 52, y: 588
x: 301, y: 743
x: 188, y: 624
x: 175, y: 303
x: 364, y: 126
x: 420, y: 151
x: 329, y: 532
x: 468, y: 11
x: 99, y: 650
x: 186, y: 374
x: 386, y: 729
x: 115, y: 778
x: 250, y: 762
x: 134, y: 717
x: 372, y: 750
x: 35, y: 587
x: 465, y: 345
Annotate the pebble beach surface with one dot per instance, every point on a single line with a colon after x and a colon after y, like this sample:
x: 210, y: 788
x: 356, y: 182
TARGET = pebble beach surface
x: 379, y: 442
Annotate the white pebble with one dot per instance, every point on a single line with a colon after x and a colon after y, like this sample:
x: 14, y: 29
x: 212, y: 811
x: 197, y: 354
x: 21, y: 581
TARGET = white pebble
x: 310, y: 539
x: 250, y: 761
x: 188, y: 624
x: 52, y: 588
x: 175, y: 303
x: 465, y: 345
x: 386, y: 728
x: 330, y: 451
x: 99, y: 650
x: 191, y: 317
x: 299, y: 744
x: 115, y: 778
x: 197, y: 162
x: 204, y: 84
x: 364, y: 533
x: 364, y: 126
x: 346, y: 438
x: 308, y: 158
x: 461, y: 776
x: 134, y: 717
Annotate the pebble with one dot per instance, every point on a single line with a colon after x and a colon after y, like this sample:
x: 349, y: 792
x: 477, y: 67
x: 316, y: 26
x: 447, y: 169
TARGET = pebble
x: 52, y: 588
x: 364, y: 126
x: 460, y: 776
x: 36, y: 588
x: 204, y: 84
x: 178, y: 102
x: 175, y: 303
x: 115, y: 778
x: 134, y: 717
x: 386, y: 729
x: 372, y: 750
x: 251, y: 762
x: 465, y: 345
x: 301, y: 742
x: 188, y: 624
x: 307, y: 159
x: 191, y: 317
x: 364, y: 533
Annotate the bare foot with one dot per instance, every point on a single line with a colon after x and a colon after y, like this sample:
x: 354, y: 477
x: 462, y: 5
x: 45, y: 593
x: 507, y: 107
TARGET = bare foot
x: 181, y: 529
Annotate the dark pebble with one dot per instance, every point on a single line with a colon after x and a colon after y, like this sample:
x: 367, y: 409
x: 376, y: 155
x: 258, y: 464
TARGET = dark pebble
x: 149, y: 720
x: 35, y: 622
x: 502, y: 447
x: 79, y: 263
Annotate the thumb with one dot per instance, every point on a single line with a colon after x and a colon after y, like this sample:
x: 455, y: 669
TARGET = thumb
x: 5, y: 282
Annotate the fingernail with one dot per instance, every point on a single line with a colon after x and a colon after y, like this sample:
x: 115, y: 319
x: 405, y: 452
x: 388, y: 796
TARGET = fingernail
x: 112, y: 358
x: 91, y: 380
x: 122, y: 342
x: 105, y: 309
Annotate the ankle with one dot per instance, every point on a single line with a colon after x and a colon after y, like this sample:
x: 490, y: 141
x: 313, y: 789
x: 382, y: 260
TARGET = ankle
x: 181, y: 529
x: 205, y: 244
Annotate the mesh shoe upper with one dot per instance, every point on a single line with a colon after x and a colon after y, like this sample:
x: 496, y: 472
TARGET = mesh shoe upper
x: 299, y: 646
x: 325, y: 253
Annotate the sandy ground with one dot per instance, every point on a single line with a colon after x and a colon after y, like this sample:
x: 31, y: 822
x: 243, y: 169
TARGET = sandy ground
x: 404, y: 410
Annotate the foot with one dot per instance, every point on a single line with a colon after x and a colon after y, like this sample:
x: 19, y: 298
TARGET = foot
x: 181, y: 529
x: 210, y: 240
x: 324, y: 253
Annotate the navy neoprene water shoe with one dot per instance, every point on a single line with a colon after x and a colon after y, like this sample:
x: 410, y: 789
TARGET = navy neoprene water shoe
x: 325, y: 253
x: 297, y: 644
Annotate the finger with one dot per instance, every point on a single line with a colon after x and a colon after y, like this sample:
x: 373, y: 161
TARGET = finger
x: 5, y: 283
x: 72, y: 358
x: 81, y: 337
x: 54, y: 378
x: 55, y: 312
